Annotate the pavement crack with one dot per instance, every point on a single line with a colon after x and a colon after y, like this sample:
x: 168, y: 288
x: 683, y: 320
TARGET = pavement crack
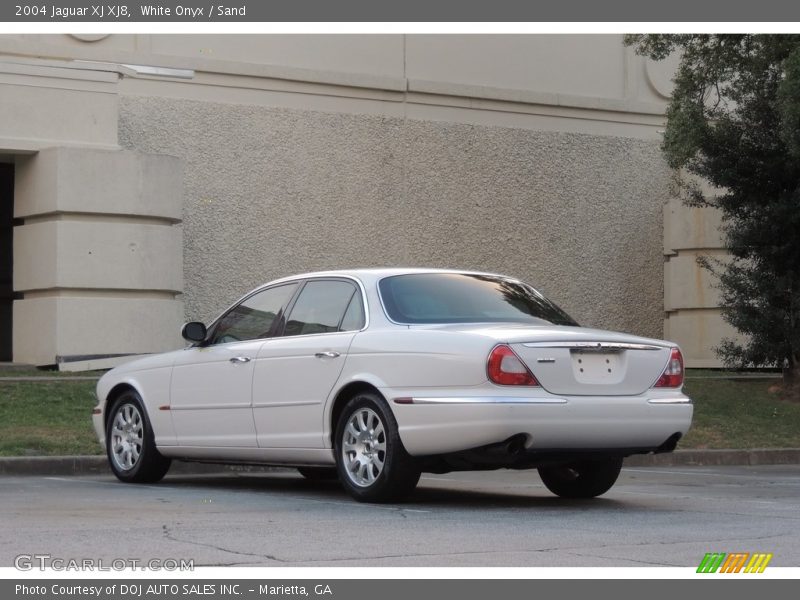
x: 168, y: 535
x: 573, y: 550
x: 628, y: 559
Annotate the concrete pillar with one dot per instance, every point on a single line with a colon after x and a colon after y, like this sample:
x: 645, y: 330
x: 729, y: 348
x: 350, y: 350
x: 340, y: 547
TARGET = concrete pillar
x: 691, y: 301
x: 99, y: 256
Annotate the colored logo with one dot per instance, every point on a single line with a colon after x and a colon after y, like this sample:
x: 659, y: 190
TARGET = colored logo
x: 736, y: 562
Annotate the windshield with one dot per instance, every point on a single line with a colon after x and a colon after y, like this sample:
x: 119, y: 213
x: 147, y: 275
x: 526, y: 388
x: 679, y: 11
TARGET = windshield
x: 421, y: 298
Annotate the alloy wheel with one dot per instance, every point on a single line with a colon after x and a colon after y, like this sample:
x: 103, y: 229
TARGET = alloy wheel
x: 364, y: 447
x: 127, y: 437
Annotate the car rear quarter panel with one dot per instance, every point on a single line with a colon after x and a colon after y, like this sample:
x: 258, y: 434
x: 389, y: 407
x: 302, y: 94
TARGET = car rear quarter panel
x: 414, y: 358
x: 395, y: 359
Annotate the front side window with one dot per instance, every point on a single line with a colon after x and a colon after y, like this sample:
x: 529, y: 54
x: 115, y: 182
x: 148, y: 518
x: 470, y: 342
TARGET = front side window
x: 254, y: 317
x: 321, y: 307
x: 420, y: 298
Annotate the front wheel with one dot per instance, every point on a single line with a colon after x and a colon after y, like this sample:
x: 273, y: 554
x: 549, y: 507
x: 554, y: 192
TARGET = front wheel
x: 583, y: 479
x: 130, y: 445
x: 373, y: 465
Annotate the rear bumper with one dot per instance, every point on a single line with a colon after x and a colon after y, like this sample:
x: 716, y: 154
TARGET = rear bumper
x: 441, y: 424
x: 510, y: 454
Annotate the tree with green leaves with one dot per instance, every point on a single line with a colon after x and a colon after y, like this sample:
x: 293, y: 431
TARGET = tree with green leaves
x: 734, y: 121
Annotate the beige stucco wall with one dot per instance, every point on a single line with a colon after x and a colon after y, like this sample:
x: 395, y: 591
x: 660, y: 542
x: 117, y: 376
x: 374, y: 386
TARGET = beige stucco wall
x: 536, y: 156
x: 271, y: 191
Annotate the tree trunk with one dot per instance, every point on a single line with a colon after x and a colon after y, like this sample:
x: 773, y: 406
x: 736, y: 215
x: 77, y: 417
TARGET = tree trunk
x: 791, y: 381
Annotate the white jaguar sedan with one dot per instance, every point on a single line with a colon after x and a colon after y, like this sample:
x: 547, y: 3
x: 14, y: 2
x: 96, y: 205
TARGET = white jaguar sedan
x: 374, y: 376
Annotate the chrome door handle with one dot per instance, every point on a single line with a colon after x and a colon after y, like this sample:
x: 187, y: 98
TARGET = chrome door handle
x: 327, y: 354
x: 240, y: 359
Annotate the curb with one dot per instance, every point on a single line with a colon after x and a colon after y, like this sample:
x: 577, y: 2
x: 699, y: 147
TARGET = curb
x: 707, y: 458
x: 98, y: 465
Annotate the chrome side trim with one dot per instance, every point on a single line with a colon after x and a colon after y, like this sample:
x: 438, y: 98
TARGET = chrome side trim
x: 481, y: 400
x: 283, y: 404
x: 217, y: 406
x: 669, y: 401
x: 599, y: 346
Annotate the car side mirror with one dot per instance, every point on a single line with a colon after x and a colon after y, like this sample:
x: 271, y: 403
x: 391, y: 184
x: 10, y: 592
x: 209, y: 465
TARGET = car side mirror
x: 194, y: 331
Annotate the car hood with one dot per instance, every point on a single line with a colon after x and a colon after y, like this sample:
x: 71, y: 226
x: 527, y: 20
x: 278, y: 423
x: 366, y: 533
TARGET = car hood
x: 153, y: 361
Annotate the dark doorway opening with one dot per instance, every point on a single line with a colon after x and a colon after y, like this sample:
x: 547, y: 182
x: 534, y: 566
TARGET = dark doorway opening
x: 6, y: 258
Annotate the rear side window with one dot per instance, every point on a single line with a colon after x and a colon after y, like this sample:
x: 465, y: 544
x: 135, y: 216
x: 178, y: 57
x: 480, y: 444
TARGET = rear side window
x: 421, y: 298
x: 354, y: 315
x: 324, y: 307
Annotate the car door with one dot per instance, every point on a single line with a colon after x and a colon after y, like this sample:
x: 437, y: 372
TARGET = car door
x: 296, y: 370
x: 211, y: 388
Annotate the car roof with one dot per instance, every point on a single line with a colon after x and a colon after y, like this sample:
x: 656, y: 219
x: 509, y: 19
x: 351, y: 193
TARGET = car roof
x: 370, y: 275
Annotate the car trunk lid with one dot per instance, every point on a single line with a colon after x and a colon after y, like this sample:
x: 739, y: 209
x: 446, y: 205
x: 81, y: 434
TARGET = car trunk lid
x: 594, y: 367
x: 576, y: 360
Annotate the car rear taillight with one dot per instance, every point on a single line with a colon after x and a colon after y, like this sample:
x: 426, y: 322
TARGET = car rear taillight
x: 506, y: 368
x: 672, y: 377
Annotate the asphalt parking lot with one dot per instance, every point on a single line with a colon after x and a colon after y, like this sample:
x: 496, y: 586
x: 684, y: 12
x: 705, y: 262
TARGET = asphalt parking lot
x: 653, y: 516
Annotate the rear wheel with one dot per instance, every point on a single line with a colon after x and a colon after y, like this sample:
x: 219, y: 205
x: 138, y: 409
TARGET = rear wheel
x: 318, y: 473
x: 582, y: 479
x: 130, y: 445
x: 372, y: 463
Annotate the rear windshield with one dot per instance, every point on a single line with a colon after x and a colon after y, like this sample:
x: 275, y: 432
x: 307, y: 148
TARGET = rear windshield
x: 421, y: 298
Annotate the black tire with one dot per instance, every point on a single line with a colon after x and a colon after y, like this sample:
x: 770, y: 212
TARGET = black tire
x: 398, y: 473
x: 582, y: 479
x: 319, y: 473
x: 149, y: 465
